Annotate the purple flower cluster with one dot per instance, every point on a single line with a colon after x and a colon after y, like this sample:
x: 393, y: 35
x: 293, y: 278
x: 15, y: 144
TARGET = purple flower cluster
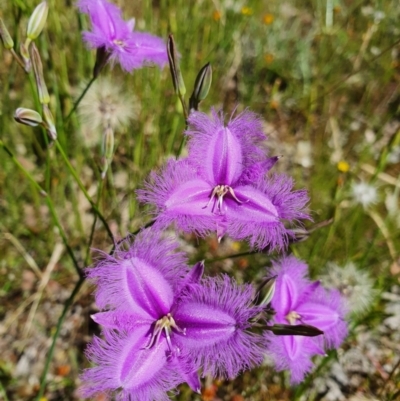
x: 130, y: 49
x: 299, y: 301
x: 222, y: 187
x: 162, y: 322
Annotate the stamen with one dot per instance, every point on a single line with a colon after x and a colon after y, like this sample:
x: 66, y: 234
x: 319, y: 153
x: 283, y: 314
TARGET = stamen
x: 292, y: 317
x: 119, y: 42
x: 221, y: 191
x: 166, y: 323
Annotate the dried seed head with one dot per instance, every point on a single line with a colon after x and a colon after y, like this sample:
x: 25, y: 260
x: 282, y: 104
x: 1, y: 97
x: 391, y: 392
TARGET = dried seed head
x: 106, y: 104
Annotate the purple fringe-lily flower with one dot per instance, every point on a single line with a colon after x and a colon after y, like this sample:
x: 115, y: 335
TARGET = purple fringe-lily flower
x: 130, y: 49
x: 222, y: 185
x: 297, y: 300
x: 162, y: 323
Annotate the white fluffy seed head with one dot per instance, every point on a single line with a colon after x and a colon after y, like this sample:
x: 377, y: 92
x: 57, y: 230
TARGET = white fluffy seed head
x: 355, y: 284
x: 106, y: 105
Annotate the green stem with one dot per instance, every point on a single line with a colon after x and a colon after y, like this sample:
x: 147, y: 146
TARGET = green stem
x: 99, y: 191
x: 3, y: 392
x: 50, y: 353
x: 82, y: 95
x: 49, y: 202
x: 83, y: 189
x: 237, y: 255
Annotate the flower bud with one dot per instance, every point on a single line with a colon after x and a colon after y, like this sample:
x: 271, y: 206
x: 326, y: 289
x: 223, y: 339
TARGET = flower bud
x: 5, y: 36
x: 49, y: 122
x: 201, y: 86
x: 107, y: 148
x: 174, y: 67
x: 27, y: 117
x: 269, y: 290
x: 44, y: 97
x: 295, y: 330
x: 37, y: 20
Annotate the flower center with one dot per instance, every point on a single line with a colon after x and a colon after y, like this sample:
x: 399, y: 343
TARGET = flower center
x: 220, y: 191
x: 166, y: 324
x: 292, y: 317
x: 119, y: 42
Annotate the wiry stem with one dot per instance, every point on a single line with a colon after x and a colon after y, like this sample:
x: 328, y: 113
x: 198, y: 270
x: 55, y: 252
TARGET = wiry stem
x: 50, y: 353
x: 82, y: 95
x: 99, y: 191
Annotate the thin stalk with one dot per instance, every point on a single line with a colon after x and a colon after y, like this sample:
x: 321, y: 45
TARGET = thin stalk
x: 18, y: 59
x: 83, y: 189
x: 236, y: 255
x: 99, y: 191
x: 381, y: 390
x: 50, y: 353
x: 49, y: 203
x: 38, y: 106
x: 3, y: 392
x: 82, y: 95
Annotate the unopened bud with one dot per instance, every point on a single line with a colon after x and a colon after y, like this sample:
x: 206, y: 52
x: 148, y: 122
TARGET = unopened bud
x: 27, y: 117
x: 49, y: 122
x: 107, y: 150
x: 37, y: 20
x: 305, y: 330
x: 269, y: 290
x: 5, y: 36
x: 201, y: 87
x: 44, y: 97
x: 174, y: 67
x: 299, y: 235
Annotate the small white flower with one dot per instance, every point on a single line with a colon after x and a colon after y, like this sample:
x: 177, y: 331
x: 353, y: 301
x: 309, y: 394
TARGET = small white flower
x: 303, y: 154
x: 394, y: 155
x: 364, y: 193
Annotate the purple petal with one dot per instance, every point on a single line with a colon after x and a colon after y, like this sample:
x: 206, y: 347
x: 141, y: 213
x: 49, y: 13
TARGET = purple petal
x: 255, y: 219
x: 256, y: 206
x: 105, y: 18
x: 121, y: 320
x: 286, y: 295
x: 318, y: 315
x: 150, y: 49
x: 205, y: 325
x: 147, y: 288
x: 138, y: 364
x: 333, y: 323
x: 193, y: 277
x: 223, y: 153
x: 143, y: 278
x: 223, y: 158
x: 190, y: 198
x: 292, y: 353
x: 123, y: 364
x: 216, y: 315
x: 291, y: 286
